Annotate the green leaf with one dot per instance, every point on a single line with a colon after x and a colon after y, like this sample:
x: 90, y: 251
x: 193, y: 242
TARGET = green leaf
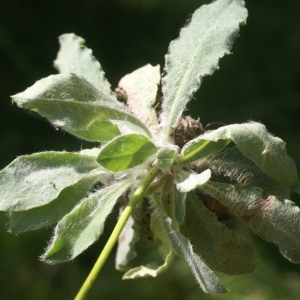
x: 74, y: 57
x: 167, y: 200
x: 222, y: 249
x: 254, y: 142
x: 35, y: 180
x: 159, y: 237
x: 165, y: 158
x: 140, y: 88
x: 204, y: 276
x: 97, y: 131
x: 126, y: 151
x: 198, y: 149
x: 90, y: 152
x: 84, y: 224
x: 179, y: 205
x: 74, y: 104
x: 126, y: 245
x: 192, y: 181
x: 159, y: 234
x: 151, y: 269
x: 196, y: 53
x: 155, y: 186
x: 45, y: 215
x: 232, y: 163
x: 275, y: 219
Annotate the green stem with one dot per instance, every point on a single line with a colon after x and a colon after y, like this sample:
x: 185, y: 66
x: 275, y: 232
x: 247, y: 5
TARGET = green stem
x: 186, y: 158
x: 137, y: 195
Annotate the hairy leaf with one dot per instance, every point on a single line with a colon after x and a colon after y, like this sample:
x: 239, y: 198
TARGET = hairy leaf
x: 75, y: 57
x: 222, y: 249
x: 45, y: 215
x: 83, y: 225
x: 158, y: 236
x: 97, y: 131
x: 192, y: 181
x: 275, y: 219
x: 156, y: 186
x: 253, y: 140
x: 126, y: 151
x: 126, y: 245
x: 90, y: 152
x: 232, y: 163
x: 151, y: 269
x: 165, y: 158
x: 199, y: 150
x: 140, y: 88
x: 74, y: 104
x: 35, y: 180
x: 196, y: 53
x: 182, y: 246
x: 179, y: 205
x: 155, y: 232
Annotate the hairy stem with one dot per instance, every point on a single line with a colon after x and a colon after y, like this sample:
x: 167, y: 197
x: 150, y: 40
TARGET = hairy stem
x: 137, y: 195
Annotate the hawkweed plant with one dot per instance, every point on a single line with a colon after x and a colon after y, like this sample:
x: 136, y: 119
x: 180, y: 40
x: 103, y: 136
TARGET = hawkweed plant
x: 168, y: 176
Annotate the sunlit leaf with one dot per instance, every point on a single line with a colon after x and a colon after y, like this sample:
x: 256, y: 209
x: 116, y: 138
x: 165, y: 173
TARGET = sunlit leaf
x: 192, y: 181
x: 222, y: 249
x: 140, y: 88
x: 196, y: 53
x: 97, y: 131
x: 126, y: 151
x: 35, y: 180
x: 254, y: 142
x: 275, y: 219
x: 90, y: 152
x: 72, y: 103
x: 199, y: 149
x: 84, y: 224
x: 45, y: 215
x: 182, y: 246
x: 232, y: 163
x: 75, y: 57
x: 165, y: 158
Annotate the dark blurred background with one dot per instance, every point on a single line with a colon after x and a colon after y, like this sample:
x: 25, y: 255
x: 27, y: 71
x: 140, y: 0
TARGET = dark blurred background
x: 260, y: 81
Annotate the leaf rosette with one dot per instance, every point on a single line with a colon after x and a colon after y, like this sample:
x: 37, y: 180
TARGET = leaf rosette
x: 173, y: 195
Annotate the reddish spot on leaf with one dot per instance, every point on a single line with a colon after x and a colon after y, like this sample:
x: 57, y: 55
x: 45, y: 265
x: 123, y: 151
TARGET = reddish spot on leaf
x: 263, y: 201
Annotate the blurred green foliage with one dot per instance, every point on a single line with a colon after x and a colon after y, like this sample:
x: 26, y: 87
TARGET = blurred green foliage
x: 260, y: 82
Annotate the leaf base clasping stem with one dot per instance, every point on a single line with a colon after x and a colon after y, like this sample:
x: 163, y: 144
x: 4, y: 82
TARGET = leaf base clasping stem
x: 137, y: 195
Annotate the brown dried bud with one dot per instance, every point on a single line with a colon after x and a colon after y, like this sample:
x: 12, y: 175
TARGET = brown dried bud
x: 186, y: 130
